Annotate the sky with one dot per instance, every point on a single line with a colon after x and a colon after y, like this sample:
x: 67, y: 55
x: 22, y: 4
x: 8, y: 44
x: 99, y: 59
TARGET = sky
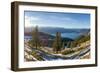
x: 56, y: 19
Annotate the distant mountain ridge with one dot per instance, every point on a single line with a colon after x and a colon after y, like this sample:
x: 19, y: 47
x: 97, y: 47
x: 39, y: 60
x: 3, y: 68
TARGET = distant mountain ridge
x: 52, y: 30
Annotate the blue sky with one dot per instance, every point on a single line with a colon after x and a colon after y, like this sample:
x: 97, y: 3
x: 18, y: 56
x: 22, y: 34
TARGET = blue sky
x: 57, y: 19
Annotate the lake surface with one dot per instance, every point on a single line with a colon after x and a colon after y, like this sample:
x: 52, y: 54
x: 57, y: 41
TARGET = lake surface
x: 64, y: 35
x: 69, y: 35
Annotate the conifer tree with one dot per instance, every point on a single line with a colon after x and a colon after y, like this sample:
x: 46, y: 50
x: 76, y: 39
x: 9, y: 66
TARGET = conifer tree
x: 57, y: 43
x: 68, y: 44
x: 35, y: 38
x: 63, y: 46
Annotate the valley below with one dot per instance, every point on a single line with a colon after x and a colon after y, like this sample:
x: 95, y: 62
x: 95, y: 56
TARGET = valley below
x: 45, y: 49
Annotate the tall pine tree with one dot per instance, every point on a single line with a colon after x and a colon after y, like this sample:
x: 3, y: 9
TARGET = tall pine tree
x: 35, y: 38
x: 57, y: 43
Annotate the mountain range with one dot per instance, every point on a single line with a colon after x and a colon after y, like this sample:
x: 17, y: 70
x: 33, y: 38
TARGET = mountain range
x: 53, y: 30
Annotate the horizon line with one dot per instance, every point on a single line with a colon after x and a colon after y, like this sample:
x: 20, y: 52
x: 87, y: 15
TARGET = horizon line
x: 56, y: 27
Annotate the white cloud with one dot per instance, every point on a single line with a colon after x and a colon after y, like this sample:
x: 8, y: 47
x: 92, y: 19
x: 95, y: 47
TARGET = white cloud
x: 68, y: 19
x: 29, y: 20
x: 62, y: 18
x: 34, y: 18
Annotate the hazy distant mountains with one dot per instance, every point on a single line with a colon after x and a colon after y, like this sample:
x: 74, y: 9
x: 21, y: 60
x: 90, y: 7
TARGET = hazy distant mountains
x: 52, y: 30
